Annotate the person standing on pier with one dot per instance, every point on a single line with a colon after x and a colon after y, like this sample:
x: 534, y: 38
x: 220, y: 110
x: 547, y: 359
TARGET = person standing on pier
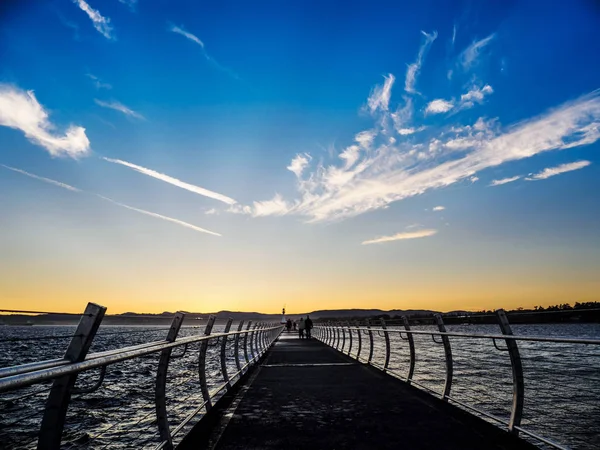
x: 288, y: 325
x: 301, y: 326
x: 308, y: 324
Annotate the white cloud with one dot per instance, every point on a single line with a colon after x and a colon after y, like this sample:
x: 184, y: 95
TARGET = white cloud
x: 98, y: 82
x: 401, y: 236
x: 173, y: 181
x: 410, y: 130
x: 101, y: 24
x: 211, y: 212
x: 454, y: 34
x: 438, y: 208
x: 192, y: 37
x: 183, y: 32
x: 413, y: 69
x: 475, y: 95
x: 119, y: 107
x: 44, y: 179
x: 159, y: 216
x: 380, y: 95
x: 505, y: 180
x: 20, y: 110
x: 130, y: 3
x: 438, y: 106
x: 358, y: 180
x: 552, y: 171
x: 299, y: 163
x: 469, y: 55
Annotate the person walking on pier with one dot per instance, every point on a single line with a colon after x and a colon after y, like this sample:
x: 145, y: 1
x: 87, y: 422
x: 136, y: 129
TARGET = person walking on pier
x: 301, y: 326
x: 288, y: 325
x: 308, y: 324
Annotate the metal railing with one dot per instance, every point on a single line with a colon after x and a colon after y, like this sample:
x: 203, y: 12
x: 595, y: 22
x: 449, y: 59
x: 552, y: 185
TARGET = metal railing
x: 555, y: 370
x: 235, y: 352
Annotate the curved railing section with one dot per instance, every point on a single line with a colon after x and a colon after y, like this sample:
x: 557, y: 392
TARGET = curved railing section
x: 546, y: 388
x: 167, y: 383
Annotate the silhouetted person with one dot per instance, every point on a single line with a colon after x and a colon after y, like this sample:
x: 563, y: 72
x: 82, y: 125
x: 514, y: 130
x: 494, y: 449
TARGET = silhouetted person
x: 295, y: 325
x: 288, y: 325
x: 308, y: 325
x: 301, y: 326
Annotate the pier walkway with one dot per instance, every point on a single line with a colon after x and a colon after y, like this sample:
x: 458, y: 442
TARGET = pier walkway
x: 305, y: 394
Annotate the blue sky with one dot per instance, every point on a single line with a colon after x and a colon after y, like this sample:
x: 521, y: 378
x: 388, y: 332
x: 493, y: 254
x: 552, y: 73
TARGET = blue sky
x: 340, y: 154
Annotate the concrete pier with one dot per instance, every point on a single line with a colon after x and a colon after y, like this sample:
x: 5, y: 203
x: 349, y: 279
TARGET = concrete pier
x: 307, y: 395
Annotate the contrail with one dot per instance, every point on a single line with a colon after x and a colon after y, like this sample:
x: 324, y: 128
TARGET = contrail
x: 159, y: 216
x: 173, y: 181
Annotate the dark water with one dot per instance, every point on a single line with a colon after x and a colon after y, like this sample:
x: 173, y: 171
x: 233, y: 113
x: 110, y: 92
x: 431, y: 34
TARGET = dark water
x: 562, y: 383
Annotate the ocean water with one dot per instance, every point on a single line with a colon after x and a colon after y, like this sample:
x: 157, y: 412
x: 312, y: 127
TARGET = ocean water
x: 562, y: 382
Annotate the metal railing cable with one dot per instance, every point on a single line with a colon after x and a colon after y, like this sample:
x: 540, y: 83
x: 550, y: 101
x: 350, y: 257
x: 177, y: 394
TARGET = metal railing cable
x: 514, y: 380
x: 104, y: 392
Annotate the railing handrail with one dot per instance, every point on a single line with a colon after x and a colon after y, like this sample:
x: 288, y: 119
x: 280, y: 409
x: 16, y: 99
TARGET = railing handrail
x: 28, y: 374
x: 562, y: 339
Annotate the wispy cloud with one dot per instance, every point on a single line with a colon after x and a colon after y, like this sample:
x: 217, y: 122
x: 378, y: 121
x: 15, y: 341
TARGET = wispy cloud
x: 505, y: 180
x: 454, y: 29
x: 552, y: 171
x: 117, y: 106
x: 380, y: 95
x: 438, y: 106
x: 475, y: 95
x: 101, y: 24
x: 413, y: 69
x: 299, y: 163
x: 141, y: 211
x: 44, y: 179
x: 398, y: 169
x: 98, y: 82
x: 469, y: 55
x: 69, y: 24
x: 388, y: 165
x: 192, y: 37
x: 159, y: 216
x: 173, y: 181
x: 401, y: 236
x: 438, y: 208
x: 20, y: 109
x: 130, y: 3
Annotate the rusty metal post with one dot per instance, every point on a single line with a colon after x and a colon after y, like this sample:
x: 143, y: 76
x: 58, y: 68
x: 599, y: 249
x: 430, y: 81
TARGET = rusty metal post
x: 359, y: 340
x: 160, y: 397
x: 411, y: 346
x: 57, y: 404
x: 236, y: 346
x: 387, y: 345
x: 202, y: 363
x: 517, y: 371
x: 223, y: 350
x: 370, y: 342
x: 246, y: 342
x: 448, y: 354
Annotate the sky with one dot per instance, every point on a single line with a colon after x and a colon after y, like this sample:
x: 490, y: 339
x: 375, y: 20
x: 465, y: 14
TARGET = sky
x: 180, y: 155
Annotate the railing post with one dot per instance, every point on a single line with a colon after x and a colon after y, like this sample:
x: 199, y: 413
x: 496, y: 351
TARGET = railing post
x: 223, y: 350
x: 411, y: 346
x: 357, y: 324
x: 387, y: 345
x: 202, y: 363
x: 370, y: 342
x: 343, y: 337
x: 350, y: 337
x: 246, y: 342
x: 338, y: 335
x: 160, y: 396
x: 236, y: 345
x: 327, y: 334
x: 517, y: 372
x: 448, y: 354
x: 55, y: 412
x: 252, y: 334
